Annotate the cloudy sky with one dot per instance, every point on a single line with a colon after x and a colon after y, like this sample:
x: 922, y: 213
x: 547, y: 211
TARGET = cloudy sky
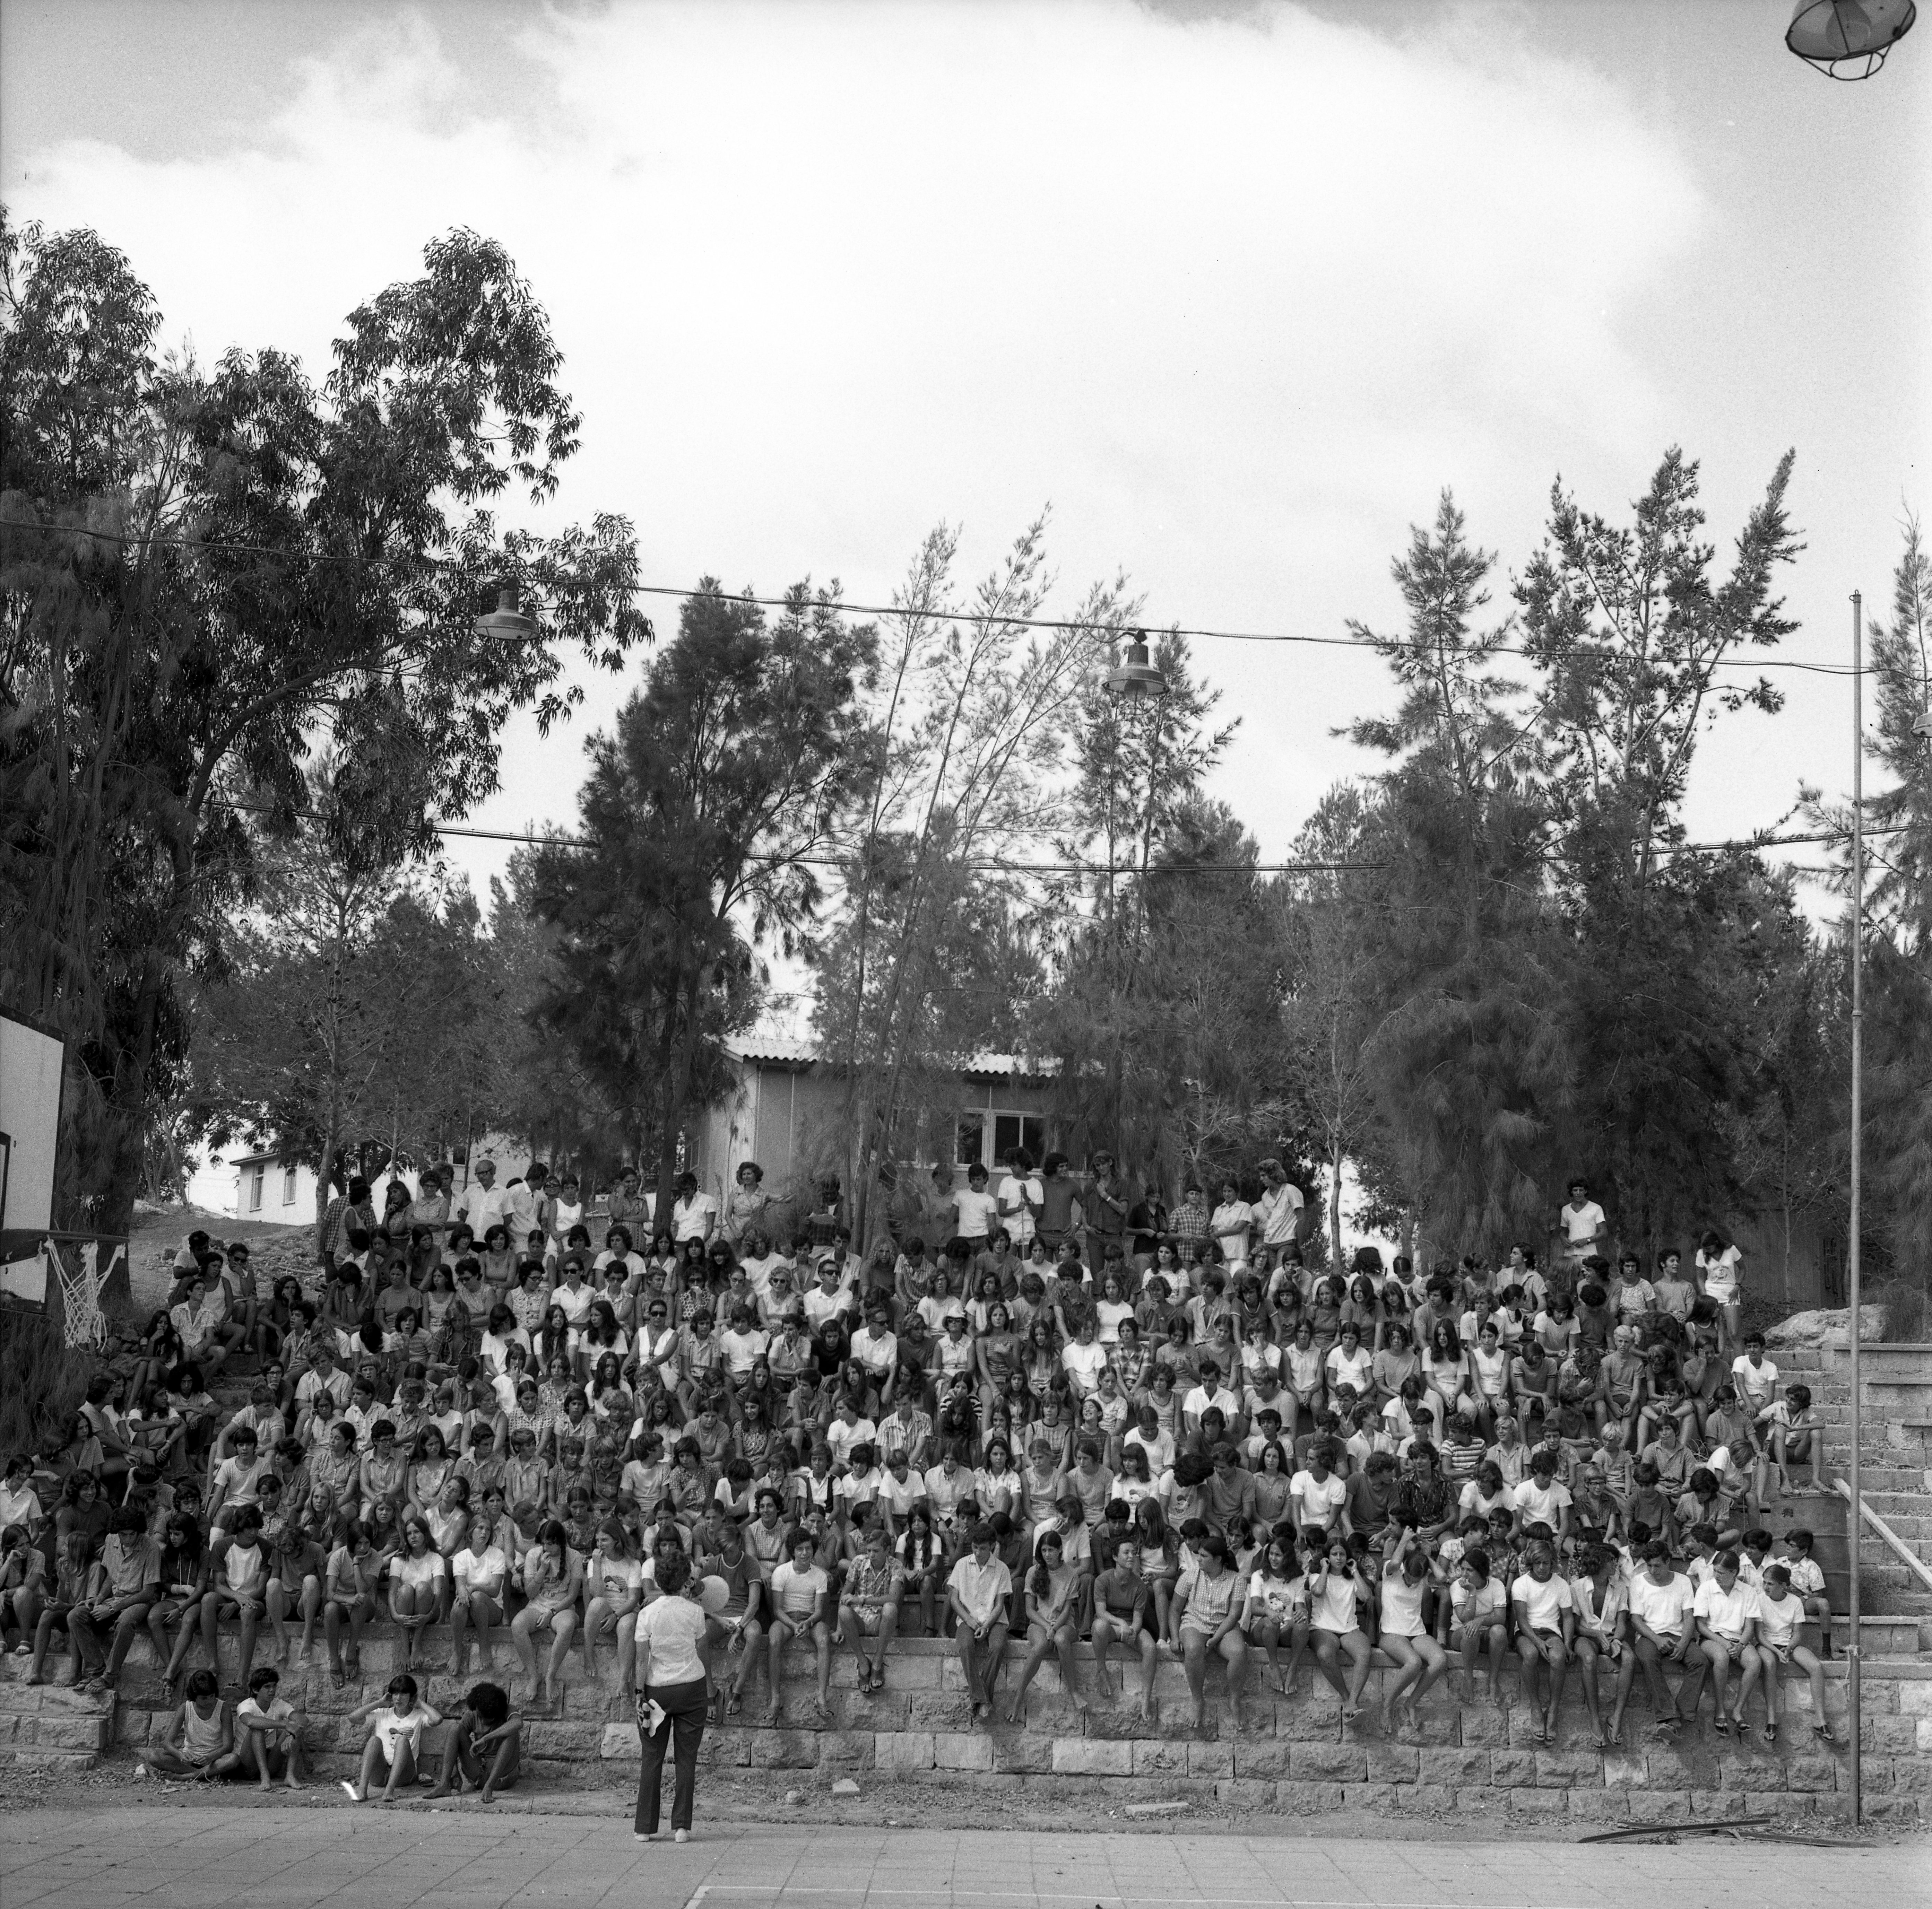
x: 1237, y: 288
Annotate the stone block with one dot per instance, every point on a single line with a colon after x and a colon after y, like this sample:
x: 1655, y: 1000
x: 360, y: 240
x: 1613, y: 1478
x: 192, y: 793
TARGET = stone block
x: 901, y: 1752
x: 1082, y: 1756
x: 1912, y: 1773
x: 1904, y: 1810
x: 1024, y: 1753
x: 1438, y: 1729
x: 888, y: 1710
x: 1484, y: 1727
x: 784, y: 1749
x: 1751, y: 1772
x: 1424, y: 1799
x: 1625, y: 1769
x: 962, y: 1750
x: 1328, y: 1763
x: 545, y: 1736
x: 1394, y: 1763
x: 1235, y: 1794
x: 1307, y: 1799
x: 940, y: 1710
x: 1889, y: 1736
x: 846, y: 1749
x: 1153, y: 1757
x: 1915, y: 1699
x: 1811, y: 1773
x: 1544, y: 1805
x: 1775, y: 1803
x: 1834, y: 1808
x: 618, y: 1743
x: 1372, y: 1799
x: 1923, y: 1726
x: 1509, y: 1769
x: 1592, y: 1805
x: 1659, y: 1805
x: 1217, y: 1761
x: 1559, y: 1770
x: 1049, y: 1713
x: 1455, y: 1770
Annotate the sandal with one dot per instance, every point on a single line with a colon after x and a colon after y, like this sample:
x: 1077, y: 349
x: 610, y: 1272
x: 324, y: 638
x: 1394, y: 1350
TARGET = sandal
x: 1771, y: 1732
x: 733, y: 1704
x: 1722, y: 1725
x: 1824, y: 1730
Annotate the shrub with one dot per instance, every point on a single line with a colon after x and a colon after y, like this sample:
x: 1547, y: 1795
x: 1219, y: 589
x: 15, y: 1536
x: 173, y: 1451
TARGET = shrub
x: 42, y: 1383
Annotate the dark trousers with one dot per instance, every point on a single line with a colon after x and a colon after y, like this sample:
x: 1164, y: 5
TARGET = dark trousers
x: 684, y: 1707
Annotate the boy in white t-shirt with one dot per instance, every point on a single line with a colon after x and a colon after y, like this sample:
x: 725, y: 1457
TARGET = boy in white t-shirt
x: 1547, y: 1629
x: 1755, y: 1376
x: 1780, y: 1610
x: 978, y: 1212
x: 1726, y: 1610
x: 395, y: 1747
x: 799, y: 1591
x: 1661, y: 1598
x: 1584, y: 1224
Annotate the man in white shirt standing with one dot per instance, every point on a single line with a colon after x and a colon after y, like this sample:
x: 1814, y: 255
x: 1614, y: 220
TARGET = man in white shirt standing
x: 1021, y: 1198
x: 1279, y: 1206
x: 1584, y: 1226
x: 978, y: 1211
x: 483, y: 1203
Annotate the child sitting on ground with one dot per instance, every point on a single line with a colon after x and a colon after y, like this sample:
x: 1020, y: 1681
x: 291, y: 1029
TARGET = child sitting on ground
x: 199, y: 1742
x: 484, y: 1750
x: 268, y: 1732
x: 395, y: 1747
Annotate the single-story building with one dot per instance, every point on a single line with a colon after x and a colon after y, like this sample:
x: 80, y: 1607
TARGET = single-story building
x: 787, y: 1110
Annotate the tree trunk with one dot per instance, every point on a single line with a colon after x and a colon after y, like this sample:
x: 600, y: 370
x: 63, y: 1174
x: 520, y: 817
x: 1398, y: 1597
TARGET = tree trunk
x: 1335, y: 1213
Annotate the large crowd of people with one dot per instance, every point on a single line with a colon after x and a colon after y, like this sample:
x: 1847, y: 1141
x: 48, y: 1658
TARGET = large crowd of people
x: 1073, y: 1415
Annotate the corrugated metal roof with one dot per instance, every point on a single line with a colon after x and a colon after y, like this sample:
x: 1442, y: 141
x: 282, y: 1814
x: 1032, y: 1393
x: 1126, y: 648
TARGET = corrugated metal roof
x: 783, y: 1048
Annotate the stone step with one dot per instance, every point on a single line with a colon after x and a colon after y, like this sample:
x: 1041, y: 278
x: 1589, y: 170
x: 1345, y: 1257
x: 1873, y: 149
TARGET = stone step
x: 34, y: 1756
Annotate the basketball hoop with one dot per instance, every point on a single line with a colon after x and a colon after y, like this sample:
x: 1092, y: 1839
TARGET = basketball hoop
x: 1849, y: 39
x: 85, y: 1324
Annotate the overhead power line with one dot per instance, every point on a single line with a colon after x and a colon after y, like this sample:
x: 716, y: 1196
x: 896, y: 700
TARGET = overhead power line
x: 994, y: 864
x: 900, y: 610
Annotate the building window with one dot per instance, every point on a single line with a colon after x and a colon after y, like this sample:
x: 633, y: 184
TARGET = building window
x: 971, y: 1151
x: 1012, y: 1130
x: 257, y: 1175
x: 288, y: 1186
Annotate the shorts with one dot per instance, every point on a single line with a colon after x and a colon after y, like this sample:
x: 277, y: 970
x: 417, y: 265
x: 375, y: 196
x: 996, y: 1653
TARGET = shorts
x: 869, y: 1618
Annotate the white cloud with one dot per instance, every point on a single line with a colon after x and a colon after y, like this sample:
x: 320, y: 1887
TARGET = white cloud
x: 1239, y: 297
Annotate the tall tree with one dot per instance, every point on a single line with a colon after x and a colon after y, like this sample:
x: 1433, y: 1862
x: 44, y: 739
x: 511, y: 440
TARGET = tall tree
x: 1471, y: 1055
x: 201, y: 572
x: 707, y: 813
x: 1632, y: 628
x: 974, y: 706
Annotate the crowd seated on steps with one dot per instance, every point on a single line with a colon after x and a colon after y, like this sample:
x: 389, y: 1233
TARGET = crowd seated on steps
x: 1087, y: 1419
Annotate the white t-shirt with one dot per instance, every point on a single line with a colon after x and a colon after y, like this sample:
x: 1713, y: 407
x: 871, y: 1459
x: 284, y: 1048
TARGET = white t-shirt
x: 1230, y: 1224
x: 1019, y: 1221
x: 418, y: 1573
x: 390, y: 1730
x: 1278, y: 1209
x: 1544, y: 1604
x: 1344, y: 1371
x: 1728, y: 1613
x: 1755, y: 1382
x: 1320, y: 1499
x: 979, y: 1214
x: 485, y: 1572
x: 1720, y: 1274
x: 1665, y: 1608
x: 1580, y: 1223
x: 797, y: 1593
x: 1778, y: 1619
x: 1083, y: 1364
x: 1539, y: 1503
x: 687, y: 1218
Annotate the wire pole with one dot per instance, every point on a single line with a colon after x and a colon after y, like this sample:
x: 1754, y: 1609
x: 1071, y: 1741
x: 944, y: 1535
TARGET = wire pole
x: 1858, y: 1085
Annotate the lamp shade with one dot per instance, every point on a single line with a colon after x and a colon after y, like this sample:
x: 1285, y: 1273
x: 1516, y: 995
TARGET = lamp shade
x: 1137, y: 677
x: 507, y: 622
x: 1849, y: 39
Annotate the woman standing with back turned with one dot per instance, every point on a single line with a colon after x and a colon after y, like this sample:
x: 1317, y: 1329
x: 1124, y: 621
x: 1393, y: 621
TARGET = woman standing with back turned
x: 673, y: 1672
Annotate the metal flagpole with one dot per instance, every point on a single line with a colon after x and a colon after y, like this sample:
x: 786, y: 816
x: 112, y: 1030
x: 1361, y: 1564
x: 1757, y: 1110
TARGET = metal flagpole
x: 1854, y: 1653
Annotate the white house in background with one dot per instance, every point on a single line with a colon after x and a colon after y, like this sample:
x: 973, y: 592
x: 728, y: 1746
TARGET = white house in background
x: 248, y: 1184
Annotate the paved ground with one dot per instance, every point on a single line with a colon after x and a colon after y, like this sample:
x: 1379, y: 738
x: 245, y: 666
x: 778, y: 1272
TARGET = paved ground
x: 262, y: 1857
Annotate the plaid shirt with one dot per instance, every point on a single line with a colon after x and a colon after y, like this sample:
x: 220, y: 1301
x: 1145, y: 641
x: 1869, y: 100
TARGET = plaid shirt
x: 1188, y: 1222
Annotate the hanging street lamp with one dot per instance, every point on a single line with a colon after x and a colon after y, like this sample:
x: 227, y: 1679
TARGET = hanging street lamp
x: 1137, y: 679
x: 1849, y: 39
x: 507, y: 623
